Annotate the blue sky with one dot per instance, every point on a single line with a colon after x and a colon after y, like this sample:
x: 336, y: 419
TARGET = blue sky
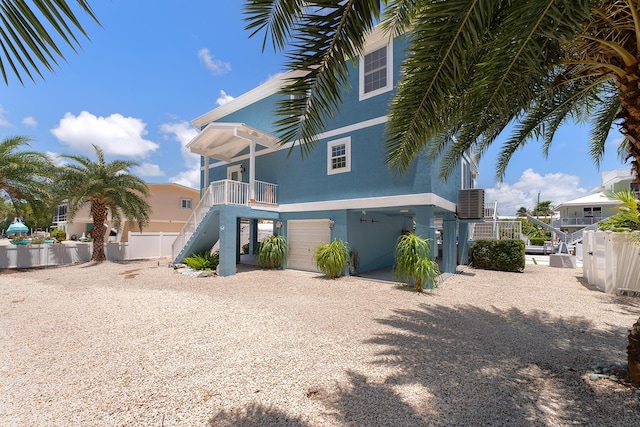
x: 154, y: 66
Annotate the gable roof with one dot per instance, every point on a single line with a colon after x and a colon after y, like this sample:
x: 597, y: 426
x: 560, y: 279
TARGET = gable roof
x: 224, y: 141
x: 595, y: 199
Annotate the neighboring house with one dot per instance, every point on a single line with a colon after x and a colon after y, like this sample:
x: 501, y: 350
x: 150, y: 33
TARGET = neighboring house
x: 342, y: 190
x: 586, y: 211
x: 171, y: 207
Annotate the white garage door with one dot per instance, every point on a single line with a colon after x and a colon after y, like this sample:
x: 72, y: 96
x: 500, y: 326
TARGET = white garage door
x: 303, y: 237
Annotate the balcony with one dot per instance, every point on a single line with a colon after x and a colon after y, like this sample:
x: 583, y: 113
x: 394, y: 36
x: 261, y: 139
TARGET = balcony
x: 228, y: 192
x: 576, y: 221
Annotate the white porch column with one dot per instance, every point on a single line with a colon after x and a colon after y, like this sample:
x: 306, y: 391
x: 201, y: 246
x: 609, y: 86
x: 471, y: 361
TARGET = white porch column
x: 206, y: 174
x: 252, y: 170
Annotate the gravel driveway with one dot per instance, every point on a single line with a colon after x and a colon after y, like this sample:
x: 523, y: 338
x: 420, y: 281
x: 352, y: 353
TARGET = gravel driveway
x: 137, y: 344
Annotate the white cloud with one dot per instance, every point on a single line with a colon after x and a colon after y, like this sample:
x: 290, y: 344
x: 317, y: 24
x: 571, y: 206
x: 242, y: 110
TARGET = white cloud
x: 190, y: 178
x: 212, y: 64
x: 272, y: 76
x: 224, y: 98
x: 3, y: 121
x: 147, y: 169
x: 57, y: 160
x: 183, y: 133
x: 557, y: 187
x: 30, y: 122
x: 115, y: 134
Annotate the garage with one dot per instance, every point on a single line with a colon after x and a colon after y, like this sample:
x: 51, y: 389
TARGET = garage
x: 303, y: 237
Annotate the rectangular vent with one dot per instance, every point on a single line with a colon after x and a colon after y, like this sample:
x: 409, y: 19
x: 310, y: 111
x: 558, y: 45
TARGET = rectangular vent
x: 471, y: 203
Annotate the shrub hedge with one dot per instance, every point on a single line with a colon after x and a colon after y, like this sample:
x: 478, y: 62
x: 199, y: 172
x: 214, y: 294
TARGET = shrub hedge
x: 537, y: 241
x: 501, y: 255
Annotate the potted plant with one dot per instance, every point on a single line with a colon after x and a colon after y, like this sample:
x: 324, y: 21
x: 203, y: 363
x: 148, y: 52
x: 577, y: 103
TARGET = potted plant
x: 272, y: 252
x: 413, y: 262
x: 331, y: 258
x: 36, y: 242
x: 19, y: 240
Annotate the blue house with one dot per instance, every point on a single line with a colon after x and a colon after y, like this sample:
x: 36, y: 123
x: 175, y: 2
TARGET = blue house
x: 343, y: 190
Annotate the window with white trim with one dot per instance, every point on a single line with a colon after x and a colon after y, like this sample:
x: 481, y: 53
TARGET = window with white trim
x: 376, y: 71
x: 339, y: 156
x: 185, y: 203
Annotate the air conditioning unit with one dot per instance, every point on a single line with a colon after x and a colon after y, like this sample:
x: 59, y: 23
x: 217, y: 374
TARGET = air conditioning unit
x: 471, y: 203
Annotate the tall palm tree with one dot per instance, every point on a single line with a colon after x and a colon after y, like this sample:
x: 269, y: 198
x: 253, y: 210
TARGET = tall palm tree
x: 28, y: 30
x: 25, y: 175
x: 107, y: 188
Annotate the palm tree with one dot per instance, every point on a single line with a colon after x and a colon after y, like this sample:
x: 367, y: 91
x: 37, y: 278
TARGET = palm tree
x: 26, y: 41
x: 473, y: 67
x: 25, y: 175
x: 522, y: 212
x: 107, y: 188
x: 543, y: 208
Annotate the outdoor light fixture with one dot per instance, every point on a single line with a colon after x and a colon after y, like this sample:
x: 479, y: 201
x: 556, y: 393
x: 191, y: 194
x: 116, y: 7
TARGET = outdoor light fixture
x: 241, y: 168
x: 278, y: 225
x: 331, y: 223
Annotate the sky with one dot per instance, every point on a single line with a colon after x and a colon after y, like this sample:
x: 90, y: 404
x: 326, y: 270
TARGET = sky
x: 153, y: 66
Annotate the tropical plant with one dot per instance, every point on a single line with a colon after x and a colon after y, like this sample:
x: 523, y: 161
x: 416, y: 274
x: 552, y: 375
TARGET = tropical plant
x: 331, y: 258
x: 107, y: 188
x: 203, y: 261
x: 628, y: 217
x: 544, y: 208
x: 26, y: 40
x: 59, y: 234
x: 272, y: 252
x: 25, y: 176
x: 414, y: 263
x: 36, y: 242
x: 522, y: 212
x: 19, y: 239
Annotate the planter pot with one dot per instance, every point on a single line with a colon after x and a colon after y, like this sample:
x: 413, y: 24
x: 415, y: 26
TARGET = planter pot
x: 22, y: 242
x: 49, y: 241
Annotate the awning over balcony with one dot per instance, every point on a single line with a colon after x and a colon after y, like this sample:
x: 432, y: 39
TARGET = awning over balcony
x: 224, y: 141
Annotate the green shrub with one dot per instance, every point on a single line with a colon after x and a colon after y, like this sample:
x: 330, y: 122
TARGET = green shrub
x: 272, y: 252
x: 36, y: 242
x: 19, y: 239
x: 414, y: 263
x: 203, y: 261
x: 59, y: 234
x: 501, y: 255
x: 537, y: 241
x: 331, y: 258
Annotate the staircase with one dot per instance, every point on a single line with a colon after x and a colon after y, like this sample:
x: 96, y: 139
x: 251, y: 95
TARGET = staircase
x: 561, y: 234
x: 202, y: 229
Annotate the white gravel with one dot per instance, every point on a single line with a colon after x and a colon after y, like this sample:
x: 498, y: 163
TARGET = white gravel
x: 137, y: 344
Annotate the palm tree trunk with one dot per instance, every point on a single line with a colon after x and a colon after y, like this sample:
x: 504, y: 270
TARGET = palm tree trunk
x: 99, y: 215
x: 633, y: 353
x: 629, y: 87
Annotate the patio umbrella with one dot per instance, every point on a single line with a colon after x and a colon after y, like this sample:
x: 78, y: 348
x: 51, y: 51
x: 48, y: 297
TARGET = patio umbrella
x: 17, y: 227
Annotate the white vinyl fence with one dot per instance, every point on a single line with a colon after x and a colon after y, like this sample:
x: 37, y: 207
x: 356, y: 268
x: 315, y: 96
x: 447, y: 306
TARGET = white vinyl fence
x: 611, y: 261
x: 140, y: 245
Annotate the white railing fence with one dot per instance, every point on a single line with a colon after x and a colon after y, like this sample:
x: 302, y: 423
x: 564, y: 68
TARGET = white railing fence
x: 266, y: 193
x: 611, y: 261
x: 496, y: 230
x: 140, y: 245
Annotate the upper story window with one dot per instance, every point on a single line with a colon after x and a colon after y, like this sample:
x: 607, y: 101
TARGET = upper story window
x: 339, y: 156
x: 376, y: 71
x: 185, y: 203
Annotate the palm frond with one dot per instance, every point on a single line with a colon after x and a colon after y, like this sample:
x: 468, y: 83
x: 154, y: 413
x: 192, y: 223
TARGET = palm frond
x: 28, y: 34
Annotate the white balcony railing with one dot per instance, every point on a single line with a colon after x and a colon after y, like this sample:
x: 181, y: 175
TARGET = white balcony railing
x: 576, y: 221
x: 224, y: 192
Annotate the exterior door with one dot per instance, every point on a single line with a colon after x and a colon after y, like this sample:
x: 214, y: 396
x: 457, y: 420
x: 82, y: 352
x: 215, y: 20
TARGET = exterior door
x: 303, y: 237
x: 234, y: 173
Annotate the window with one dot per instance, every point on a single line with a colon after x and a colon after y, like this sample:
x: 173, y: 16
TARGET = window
x: 339, y: 156
x: 592, y: 212
x: 376, y: 75
x: 185, y: 203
